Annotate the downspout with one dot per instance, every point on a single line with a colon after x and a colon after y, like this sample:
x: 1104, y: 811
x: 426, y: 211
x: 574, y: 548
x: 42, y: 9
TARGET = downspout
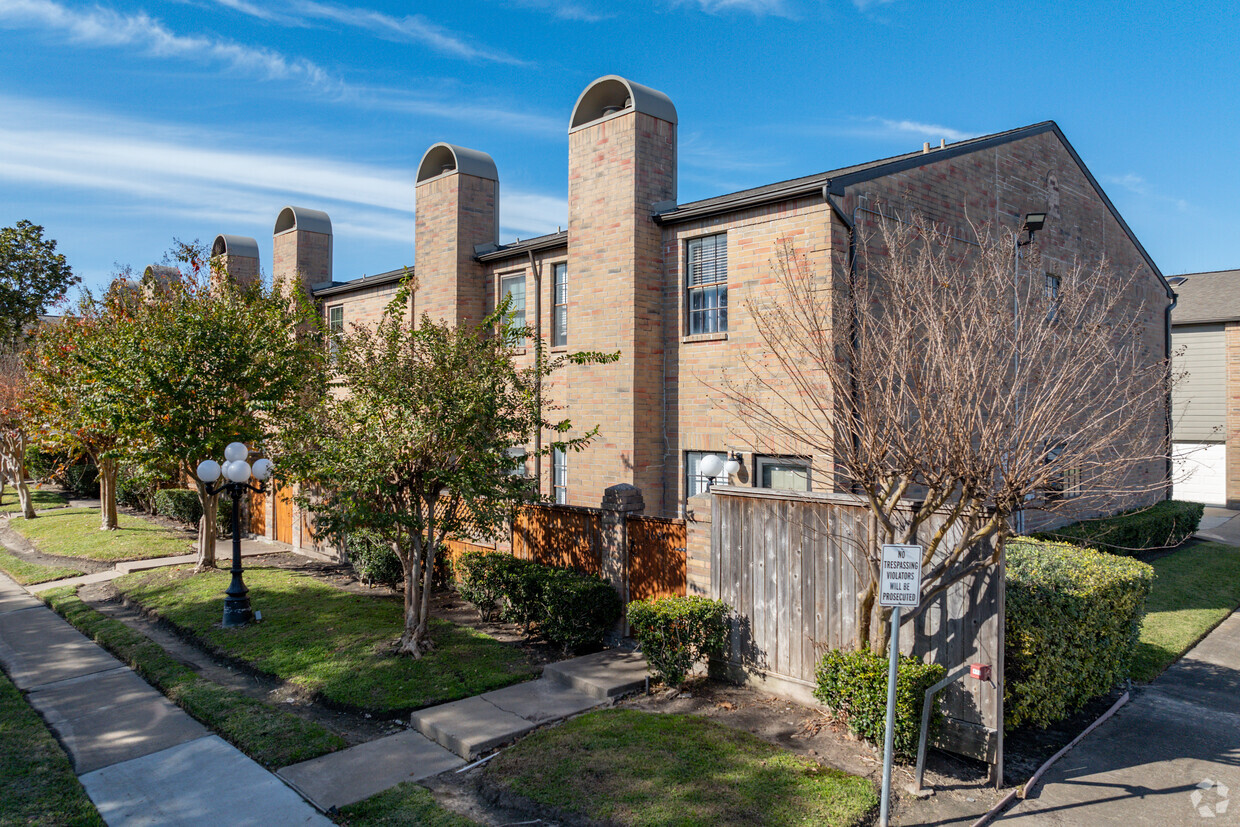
x: 1171, y: 294
x: 854, y: 334
x: 538, y: 360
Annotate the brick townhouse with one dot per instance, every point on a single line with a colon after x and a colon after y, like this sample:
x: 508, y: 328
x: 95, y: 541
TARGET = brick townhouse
x: 664, y: 283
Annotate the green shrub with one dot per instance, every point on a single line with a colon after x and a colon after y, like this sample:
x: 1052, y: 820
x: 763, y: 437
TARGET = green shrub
x: 677, y: 632
x: 854, y: 686
x: 568, y: 609
x: 373, y: 560
x: 1167, y: 523
x: 1073, y: 619
x: 181, y: 504
x: 576, y: 610
x: 134, y: 489
x: 77, y: 475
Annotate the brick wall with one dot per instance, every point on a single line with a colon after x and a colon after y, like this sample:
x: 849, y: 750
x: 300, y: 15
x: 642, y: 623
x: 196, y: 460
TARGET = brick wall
x: 455, y: 211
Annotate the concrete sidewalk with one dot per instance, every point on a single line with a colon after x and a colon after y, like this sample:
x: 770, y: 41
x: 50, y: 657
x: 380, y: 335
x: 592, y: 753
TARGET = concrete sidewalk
x: 141, y: 759
x: 448, y: 735
x: 1220, y: 524
x: 1171, y: 756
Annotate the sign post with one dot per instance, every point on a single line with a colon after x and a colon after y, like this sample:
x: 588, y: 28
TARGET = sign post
x: 899, y: 586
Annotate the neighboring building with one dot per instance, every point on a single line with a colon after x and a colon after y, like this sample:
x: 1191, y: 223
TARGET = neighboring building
x: 664, y: 283
x: 1205, y: 337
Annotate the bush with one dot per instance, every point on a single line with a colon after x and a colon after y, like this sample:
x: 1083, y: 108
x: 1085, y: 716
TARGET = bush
x: 677, y: 632
x: 78, y: 476
x: 854, y: 686
x: 1073, y: 619
x: 135, y: 489
x: 181, y: 504
x: 1162, y: 525
x: 576, y: 610
x: 373, y: 560
x: 568, y: 609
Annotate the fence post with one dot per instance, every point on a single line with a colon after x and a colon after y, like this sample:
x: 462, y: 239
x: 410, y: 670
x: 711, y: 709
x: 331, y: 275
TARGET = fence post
x: 697, y: 545
x: 619, y: 501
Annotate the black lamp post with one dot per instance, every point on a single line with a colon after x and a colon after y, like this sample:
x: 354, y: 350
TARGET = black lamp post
x: 237, y: 473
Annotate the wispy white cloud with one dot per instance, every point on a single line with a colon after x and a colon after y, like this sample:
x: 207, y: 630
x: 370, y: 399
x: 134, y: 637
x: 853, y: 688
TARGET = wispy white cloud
x: 170, y: 170
x: 146, y: 35
x: 141, y: 34
x: 758, y: 8
x: 567, y: 10
x: 866, y: 5
x: 411, y: 28
x: 1137, y: 185
x: 923, y: 130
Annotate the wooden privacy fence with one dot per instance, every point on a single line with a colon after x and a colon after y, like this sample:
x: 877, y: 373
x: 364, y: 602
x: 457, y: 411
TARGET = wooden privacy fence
x: 559, y: 535
x: 656, y: 557
x: 792, y: 566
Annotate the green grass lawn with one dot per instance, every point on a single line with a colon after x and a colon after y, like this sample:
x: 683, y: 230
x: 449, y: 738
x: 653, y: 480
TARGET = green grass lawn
x: 26, y: 573
x: 332, y: 642
x: 264, y: 732
x: 1195, y: 589
x: 407, y: 803
x: 37, y: 784
x: 74, y: 532
x: 627, y: 767
x: 40, y: 497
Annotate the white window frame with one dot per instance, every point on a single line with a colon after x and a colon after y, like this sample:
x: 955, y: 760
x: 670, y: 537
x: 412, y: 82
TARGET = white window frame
x: 517, y: 315
x: 559, y: 476
x: 559, y: 304
x: 334, y: 334
x: 697, y: 483
x: 706, y: 281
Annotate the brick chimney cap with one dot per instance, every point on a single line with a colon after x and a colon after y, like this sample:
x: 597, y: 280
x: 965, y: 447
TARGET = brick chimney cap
x: 235, y: 245
x: 444, y: 159
x: 614, y: 91
x: 302, y: 218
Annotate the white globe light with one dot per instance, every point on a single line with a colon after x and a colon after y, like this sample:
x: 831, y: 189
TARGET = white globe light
x: 731, y: 467
x: 262, y: 470
x: 236, y: 451
x: 237, y: 471
x: 208, y: 470
x: 711, y: 465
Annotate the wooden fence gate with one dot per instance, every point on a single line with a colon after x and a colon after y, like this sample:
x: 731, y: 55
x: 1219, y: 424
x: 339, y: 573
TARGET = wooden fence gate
x: 656, y: 557
x: 258, y: 513
x: 284, y: 514
x: 564, y: 536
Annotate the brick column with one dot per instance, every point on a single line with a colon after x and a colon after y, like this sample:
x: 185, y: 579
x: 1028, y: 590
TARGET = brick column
x: 697, y: 544
x: 619, y: 501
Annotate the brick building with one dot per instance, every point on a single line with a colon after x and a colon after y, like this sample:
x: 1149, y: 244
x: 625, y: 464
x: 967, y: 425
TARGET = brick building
x: 664, y: 283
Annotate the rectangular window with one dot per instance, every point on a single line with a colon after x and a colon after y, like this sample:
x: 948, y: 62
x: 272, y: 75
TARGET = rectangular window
x: 517, y: 455
x: 782, y: 473
x: 559, y: 476
x: 1071, y: 482
x: 515, y: 286
x: 706, y: 283
x: 695, y: 481
x: 1052, y: 287
x: 559, y: 305
x: 335, y: 327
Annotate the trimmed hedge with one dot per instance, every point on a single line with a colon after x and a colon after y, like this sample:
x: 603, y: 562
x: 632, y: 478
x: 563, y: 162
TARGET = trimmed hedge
x: 854, y: 686
x: 677, y: 632
x: 1073, y: 619
x: 1167, y: 523
x: 569, y: 609
x: 373, y: 560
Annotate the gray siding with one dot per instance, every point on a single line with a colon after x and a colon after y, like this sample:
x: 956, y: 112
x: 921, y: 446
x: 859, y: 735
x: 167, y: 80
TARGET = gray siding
x: 1199, y: 401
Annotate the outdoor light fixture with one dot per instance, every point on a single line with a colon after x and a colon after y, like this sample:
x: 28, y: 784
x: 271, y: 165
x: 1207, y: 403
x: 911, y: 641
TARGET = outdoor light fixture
x: 238, y: 473
x: 732, y: 465
x: 711, y: 467
x: 1034, y: 222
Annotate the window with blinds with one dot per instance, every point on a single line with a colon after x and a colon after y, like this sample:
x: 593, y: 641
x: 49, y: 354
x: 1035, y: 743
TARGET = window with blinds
x: 515, y: 286
x: 335, y: 328
x: 706, y: 284
x: 559, y: 305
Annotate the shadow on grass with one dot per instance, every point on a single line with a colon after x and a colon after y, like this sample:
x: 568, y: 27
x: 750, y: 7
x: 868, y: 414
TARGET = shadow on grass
x: 336, y: 645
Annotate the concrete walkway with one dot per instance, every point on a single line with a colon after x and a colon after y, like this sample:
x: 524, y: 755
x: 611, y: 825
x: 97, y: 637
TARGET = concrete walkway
x: 141, y: 759
x: 1171, y: 756
x: 1220, y: 524
x: 445, y: 737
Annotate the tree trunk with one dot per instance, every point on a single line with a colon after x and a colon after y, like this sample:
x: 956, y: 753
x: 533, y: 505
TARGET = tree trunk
x: 206, y: 527
x: 23, y: 491
x: 415, y: 639
x: 107, y: 493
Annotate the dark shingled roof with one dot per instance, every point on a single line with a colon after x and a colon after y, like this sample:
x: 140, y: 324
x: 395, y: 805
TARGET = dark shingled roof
x: 337, y: 287
x: 1207, y: 297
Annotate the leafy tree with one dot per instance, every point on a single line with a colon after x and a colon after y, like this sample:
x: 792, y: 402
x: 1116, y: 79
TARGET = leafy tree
x: 954, y: 397
x: 32, y: 276
x: 14, y: 429
x: 414, y: 445
x: 204, y: 362
x: 77, y: 385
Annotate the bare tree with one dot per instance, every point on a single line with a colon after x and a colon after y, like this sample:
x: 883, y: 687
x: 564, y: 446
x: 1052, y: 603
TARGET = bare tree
x: 955, y: 396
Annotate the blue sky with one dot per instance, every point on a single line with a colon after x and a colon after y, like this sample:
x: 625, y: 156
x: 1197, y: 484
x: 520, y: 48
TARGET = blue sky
x: 125, y: 124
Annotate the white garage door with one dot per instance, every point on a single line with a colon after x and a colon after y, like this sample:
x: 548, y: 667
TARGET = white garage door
x: 1200, y: 472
